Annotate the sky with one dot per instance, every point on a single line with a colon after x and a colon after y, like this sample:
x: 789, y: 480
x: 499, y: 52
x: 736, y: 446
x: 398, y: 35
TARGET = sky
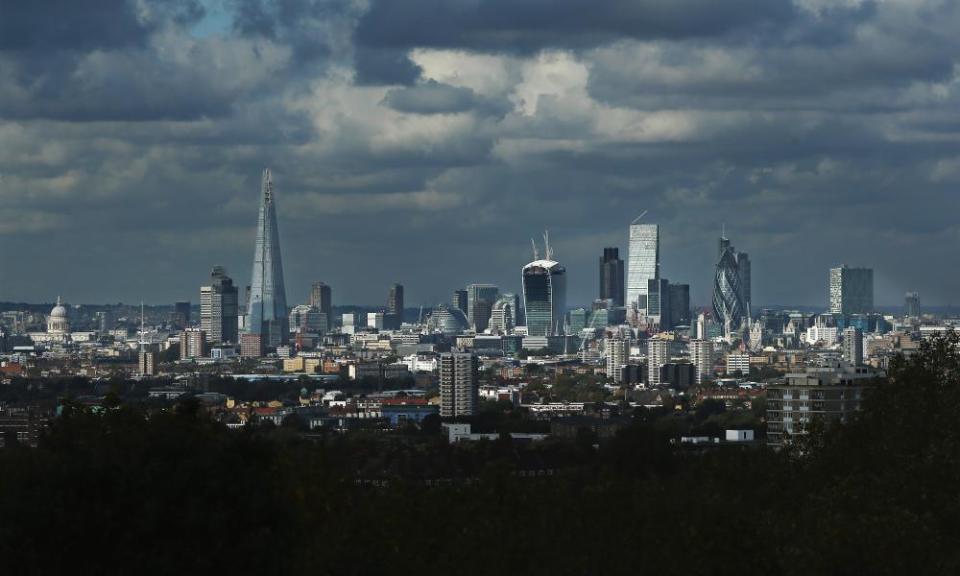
x: 426, y: 142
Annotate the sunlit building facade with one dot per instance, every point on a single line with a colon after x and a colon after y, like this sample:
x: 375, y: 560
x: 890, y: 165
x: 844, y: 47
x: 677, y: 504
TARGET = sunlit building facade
x: 644, y: 262
x: 267, y: 312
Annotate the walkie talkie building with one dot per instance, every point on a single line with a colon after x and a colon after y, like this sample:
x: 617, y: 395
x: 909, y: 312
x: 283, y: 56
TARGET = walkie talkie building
x: 267, y: 312
x: 544, y: 297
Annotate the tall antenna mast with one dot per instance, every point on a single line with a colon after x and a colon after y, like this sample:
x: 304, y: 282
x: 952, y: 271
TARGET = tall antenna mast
x: 142, y: 327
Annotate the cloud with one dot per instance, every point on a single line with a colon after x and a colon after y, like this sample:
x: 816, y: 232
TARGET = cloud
x: 526, y: 27
x: 423, y: 136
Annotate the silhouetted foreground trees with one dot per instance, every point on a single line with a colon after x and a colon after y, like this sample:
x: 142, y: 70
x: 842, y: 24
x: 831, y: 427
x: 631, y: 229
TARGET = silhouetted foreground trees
x: 117, y: 493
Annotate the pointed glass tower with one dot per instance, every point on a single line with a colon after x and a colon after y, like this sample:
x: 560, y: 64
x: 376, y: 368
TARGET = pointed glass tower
x: 267, y: 312
x: 730, y: 297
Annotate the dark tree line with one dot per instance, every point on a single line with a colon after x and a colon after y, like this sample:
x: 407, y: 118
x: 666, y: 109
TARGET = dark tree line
x: 118, y: 493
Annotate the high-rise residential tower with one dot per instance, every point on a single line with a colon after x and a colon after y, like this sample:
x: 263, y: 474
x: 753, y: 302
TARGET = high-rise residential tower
x: 321, y: 299
x: 616, y: 351
x: 459, y: 375
x: 853, y: 345
x: 658, y: 354
x: 851, y: 290
x: 267, y: 313
x: 701, y: 354
x: 193, y: 343
x: 730, y: 297
x: 644, y: 262
x: 611, y: 276
x: 219, y: 308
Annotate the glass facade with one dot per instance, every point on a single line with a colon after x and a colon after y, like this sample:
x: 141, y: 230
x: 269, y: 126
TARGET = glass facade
x: 851, y: 290
x: 544, y: 297
x: 480, y: 301
x: 611, y: 276
x: 728, y: 304
x: 644, y: 262
x: 267, y: 312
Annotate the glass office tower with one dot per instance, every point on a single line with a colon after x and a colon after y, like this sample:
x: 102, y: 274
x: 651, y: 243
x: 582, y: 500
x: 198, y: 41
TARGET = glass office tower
x: 644, y: 262
x: 544, y: 297
x: 267, y: 312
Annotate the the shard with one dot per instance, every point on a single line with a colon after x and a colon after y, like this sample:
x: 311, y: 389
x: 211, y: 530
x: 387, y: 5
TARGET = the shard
x: 267, y: 307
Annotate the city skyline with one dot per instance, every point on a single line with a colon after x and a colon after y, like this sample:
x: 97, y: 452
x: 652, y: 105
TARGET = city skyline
x: 267, y: 284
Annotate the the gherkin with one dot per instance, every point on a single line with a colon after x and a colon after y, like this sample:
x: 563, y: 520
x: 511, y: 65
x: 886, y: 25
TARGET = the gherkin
x: 731, y: 288
x: 267, y: 309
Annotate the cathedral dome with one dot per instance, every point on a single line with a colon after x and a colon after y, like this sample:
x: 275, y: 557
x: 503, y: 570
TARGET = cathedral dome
x: 57, y: 322
x: 59, y: 311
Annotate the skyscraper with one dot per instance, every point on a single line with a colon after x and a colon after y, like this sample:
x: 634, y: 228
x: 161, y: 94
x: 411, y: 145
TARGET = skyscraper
x: 851, y: 290
x: 611, y: 276
x: 658, y: 302
x: 680, y: 305
x: 644, y: 262
x: 321, y: 299
x: 181, y: 314
x: 267, y: 316
x: 730, y: 304
x: 459, y: 375
x: 743, y: 266
x: 480, y: 300
x: 544, y: 297
x: 460, y: 300
x: 911, y: 305
x: 395, y: 302
x: 219, y: 308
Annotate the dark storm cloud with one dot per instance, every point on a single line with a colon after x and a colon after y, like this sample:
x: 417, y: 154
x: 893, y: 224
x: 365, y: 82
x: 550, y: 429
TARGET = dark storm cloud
x: 116, y: 60
x: 422, y: 135
x: 375, y: 66
x: 431, y: 97
x: 91, y: 24
x: 507, y: 25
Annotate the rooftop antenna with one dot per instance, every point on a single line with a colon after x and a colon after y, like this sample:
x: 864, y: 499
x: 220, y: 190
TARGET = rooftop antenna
x: 536, y: 253
x: 637, y: 219
x: 723, y: 230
